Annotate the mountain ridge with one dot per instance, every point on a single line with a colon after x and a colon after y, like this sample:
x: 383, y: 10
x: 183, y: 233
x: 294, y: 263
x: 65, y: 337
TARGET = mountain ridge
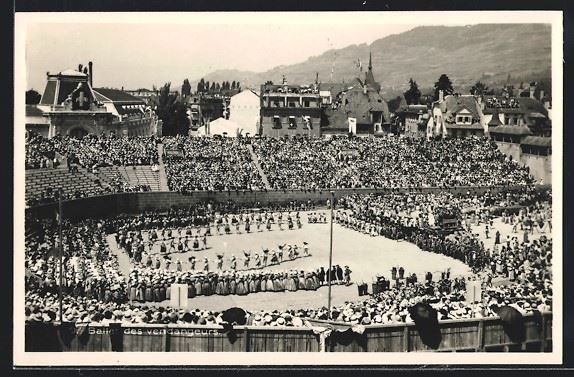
x: 486, y: 52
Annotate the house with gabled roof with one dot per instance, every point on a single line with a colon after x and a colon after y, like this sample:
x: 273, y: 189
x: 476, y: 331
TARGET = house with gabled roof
x: 457, y: 116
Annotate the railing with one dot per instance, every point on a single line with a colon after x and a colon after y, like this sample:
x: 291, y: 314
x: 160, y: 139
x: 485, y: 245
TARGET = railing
x: 474, y: 335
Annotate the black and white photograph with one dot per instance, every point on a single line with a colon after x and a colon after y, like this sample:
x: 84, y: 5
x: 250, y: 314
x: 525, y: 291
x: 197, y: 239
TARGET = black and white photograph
x: 329, y: 186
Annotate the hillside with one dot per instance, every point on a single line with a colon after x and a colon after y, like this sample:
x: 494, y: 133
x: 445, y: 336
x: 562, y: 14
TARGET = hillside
x: 488, y: 52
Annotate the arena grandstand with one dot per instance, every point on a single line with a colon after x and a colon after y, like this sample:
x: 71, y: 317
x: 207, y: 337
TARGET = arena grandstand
x: 418, y: 225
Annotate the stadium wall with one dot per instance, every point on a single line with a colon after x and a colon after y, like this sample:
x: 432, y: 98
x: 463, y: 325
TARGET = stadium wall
x: 137, y: 202
x: 540, y: 166
x: 471, y: 335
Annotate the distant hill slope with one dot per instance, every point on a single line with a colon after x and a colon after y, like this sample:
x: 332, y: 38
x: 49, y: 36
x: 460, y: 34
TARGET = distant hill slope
x: 488, y: 52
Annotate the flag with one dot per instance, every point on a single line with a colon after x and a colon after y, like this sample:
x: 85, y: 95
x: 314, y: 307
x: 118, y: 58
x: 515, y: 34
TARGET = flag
x: 307, y: 121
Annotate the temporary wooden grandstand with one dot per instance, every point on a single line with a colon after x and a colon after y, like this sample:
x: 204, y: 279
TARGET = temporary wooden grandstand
x: 39, y: 181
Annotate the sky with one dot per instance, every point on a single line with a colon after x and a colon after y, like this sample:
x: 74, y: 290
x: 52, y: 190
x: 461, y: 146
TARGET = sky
x: 135, y: 55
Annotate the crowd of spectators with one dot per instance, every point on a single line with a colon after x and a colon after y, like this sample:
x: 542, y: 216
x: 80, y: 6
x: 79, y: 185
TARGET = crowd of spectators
x: 502, y: 103
x: 215, y: 164
x: 389, y: 162
x: 40, y: 153
x: 91, y: 151
x: 97, y: 151
x: 389, y: 307
x: 409, y: 217
x: 222, y: 164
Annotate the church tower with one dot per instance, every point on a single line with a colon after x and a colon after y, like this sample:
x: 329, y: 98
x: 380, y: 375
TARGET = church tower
x: 370, y: 78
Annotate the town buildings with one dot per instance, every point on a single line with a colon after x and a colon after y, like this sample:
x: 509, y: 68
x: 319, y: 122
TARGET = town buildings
x: 290, y: 110
x: 456, y: 116
x: 244, y: 110
x: 71, y: 106
x: 358, y: 109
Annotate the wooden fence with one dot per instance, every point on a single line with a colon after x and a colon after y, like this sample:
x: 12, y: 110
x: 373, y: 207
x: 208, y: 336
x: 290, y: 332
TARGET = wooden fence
x: 474, y: 335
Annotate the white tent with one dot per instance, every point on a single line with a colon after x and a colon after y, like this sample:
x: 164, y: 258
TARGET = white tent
x: 220, y: 126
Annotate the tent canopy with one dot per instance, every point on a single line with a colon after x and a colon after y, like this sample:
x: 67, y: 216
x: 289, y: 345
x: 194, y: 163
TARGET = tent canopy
x: 220, y: 126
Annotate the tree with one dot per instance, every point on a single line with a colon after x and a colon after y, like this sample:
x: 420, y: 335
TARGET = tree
x: 172, y: 112
x: 394, y: 104
x: 186, y: 88
x: 217, y: 87
x: 268, y: 82
x: 443, y: 84
x: 201, y: 86
x: 478, y: 89
x: 212, y: 89
x: 233, y: 84
x: 206, y: 88
x: 237, y: 86
x: 32, y: 97
x: 413, y: 95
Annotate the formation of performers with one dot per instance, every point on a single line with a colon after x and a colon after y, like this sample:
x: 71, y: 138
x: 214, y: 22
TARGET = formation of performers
x: 153, y: 285
x: 249, y: 261
x: 191, y: 235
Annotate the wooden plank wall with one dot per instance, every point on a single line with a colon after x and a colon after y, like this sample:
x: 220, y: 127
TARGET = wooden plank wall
x: 475, y: 335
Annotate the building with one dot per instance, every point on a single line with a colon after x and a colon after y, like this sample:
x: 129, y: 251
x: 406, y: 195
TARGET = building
x: 357, y: 108
x: 290, y: 110
x: 521, y: 128
x: 143, y: 93
x: 203, y: 108
x: 71, y: 106
x: 36, y: 121
x: 456, y: 116
x: 413, y: 120
x: 244, y: 110
x: 362, y: 112
x: 370, y: 78
x: 132, y: 116
x: 517, y: 112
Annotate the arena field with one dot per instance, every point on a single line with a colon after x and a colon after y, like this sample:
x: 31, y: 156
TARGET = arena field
x: 365, y: 255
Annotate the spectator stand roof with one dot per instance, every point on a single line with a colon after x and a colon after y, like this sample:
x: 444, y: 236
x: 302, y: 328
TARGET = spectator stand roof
x: 511, y: 130
x: 537, y: 141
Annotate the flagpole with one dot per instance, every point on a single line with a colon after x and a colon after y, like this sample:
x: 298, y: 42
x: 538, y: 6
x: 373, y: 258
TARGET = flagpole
x: 330, y: 258
x: 61, y: 254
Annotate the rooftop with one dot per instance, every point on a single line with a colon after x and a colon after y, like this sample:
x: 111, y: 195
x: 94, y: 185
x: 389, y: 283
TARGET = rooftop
x: 510, y: 130
x: 537, y: 141
x: 115, y: 95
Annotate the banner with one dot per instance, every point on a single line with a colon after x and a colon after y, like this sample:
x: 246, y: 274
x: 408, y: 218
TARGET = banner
x: 353, y: 126
x: 473, y: 291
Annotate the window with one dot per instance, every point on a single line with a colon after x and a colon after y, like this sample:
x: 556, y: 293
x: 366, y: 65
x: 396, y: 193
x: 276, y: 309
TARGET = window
x: 306, y: 103
x: 276, y: 122
x: 292, y: 122
x: 276, y: 104
x: 291, y: 104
